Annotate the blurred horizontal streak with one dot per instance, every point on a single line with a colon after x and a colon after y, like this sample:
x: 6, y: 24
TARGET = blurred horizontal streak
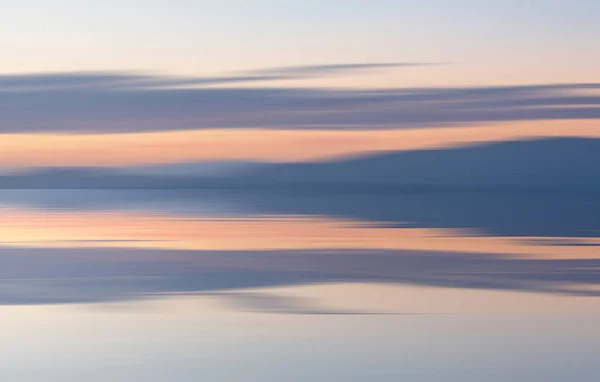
x: 39, y: 228
x: 117, y: 103
x: 22, y: 150
x: 78, y: 275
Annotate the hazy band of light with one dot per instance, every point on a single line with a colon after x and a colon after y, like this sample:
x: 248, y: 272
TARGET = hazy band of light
x: 39, y: 228
x: 22, y: 150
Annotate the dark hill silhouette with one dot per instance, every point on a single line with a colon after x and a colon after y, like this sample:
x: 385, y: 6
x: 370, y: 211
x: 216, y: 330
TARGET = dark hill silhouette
x: 557, y: 163
x: 544, y: 163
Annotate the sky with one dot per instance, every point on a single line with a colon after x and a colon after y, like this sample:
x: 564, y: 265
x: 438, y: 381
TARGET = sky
x: 107, y: 83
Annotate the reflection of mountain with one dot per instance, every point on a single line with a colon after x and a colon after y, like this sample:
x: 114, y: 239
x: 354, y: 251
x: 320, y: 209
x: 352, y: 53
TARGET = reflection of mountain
x: 514, y: 213
x: 522, y: 213
x: 566, y: 163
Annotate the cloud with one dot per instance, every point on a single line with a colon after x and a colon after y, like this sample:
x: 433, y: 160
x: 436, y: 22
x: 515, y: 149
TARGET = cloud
x: 319, y: 70
x: 123, y: 80
x: 122, y: 102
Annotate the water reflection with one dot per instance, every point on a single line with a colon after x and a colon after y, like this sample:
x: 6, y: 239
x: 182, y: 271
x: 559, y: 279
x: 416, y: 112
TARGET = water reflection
x: 75, y: 275
x: 526, y: 213
x: 157, y: 286
x: 99, y: 246
x: 43, y: 228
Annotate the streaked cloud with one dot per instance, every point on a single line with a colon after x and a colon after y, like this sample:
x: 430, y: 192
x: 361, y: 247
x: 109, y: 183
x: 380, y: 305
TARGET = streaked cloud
x: 121, y: 102
x: 124, y: 80
x: 318, y: 70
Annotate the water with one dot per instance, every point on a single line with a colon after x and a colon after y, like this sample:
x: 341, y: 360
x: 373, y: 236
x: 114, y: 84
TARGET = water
x: 131, y: 285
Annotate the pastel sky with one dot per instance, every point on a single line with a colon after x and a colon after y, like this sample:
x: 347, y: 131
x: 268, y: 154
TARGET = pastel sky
x: 379, y: 265
x: 126, y: 82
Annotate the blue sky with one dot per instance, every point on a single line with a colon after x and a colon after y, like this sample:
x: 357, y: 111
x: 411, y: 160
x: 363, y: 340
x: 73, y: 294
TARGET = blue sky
x: 209, y: 36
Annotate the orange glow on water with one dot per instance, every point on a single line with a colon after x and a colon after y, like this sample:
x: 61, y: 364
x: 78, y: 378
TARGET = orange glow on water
x: 30, y: 228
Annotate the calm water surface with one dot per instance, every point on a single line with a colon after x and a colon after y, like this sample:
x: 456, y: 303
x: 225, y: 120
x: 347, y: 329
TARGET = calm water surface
x: 130, y: 285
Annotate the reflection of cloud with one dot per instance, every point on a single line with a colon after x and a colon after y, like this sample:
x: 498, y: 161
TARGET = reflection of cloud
x: 520, y: 214
x: 42, y: 229
x: 39, y: 276
x: 129, y: 102
x: 270, y: 303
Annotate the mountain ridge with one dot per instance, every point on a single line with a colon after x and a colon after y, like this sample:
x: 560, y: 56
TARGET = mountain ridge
x: 545, y: 163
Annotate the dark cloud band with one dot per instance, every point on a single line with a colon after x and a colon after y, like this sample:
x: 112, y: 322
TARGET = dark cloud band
x: 121, y: 102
